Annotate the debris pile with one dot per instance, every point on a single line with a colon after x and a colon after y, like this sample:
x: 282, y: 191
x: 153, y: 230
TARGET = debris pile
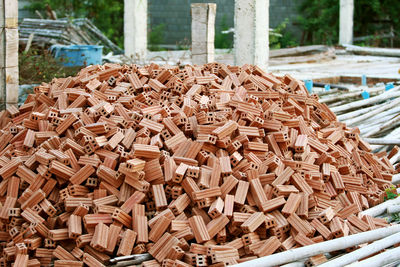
x: 195, y: 165
x: 47, y: 32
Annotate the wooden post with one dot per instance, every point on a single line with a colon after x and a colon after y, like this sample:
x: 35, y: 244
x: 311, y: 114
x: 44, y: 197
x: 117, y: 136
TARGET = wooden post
x: 203, y: 32
x: 135, y: 29
x: 346, y: 22
x: 251, y: 32
x: 9, y: 53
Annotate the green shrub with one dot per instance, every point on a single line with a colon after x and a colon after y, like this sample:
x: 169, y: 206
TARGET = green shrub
x: 39, y: 66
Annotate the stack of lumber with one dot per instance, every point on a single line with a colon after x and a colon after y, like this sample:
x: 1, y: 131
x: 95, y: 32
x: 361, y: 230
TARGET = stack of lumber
x: 198, y: 165
x: 47, y: 32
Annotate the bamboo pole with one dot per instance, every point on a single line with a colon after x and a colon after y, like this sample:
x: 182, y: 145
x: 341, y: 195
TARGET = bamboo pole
x: 379, y: 148
x: 364, y: 251
x: 387, y: 125
x: 375, y: 51
x: 322, y: 247
x: 393, y: 209
x: 332, y: 85
x: 340, y: 97
x: 393, y: 134
x: 295, y: 264
x: 376, y: 99
x: 374, y: 112
x: 370, y: 125
x: 396, y: 177
x: 130, y: 259
x: 382, y: 141
x: 395, y: 159
x: 372, y: 91
x: 330, y: 92
x: 339, y: 103
x: 376, y: 121
x: 356, y: 113
x: 381, y: 208
x: 381, y: 259
x: 380, y: 118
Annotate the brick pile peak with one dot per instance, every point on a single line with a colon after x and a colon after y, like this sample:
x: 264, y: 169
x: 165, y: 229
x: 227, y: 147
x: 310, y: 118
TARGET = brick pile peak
x: 196, y: 165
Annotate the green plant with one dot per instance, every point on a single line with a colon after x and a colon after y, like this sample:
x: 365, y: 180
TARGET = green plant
x: 395, y: 217
x: 223, y: 40
x: 391, y: 193
x: 280, y: 37
x: 39, y: 66
x: 156, y: 37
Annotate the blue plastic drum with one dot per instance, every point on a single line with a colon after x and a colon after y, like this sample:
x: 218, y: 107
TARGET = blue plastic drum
x: 77, y: 55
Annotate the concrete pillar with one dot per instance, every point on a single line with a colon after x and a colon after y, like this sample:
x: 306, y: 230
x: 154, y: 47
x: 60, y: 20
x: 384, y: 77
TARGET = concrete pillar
x: 346, y: 21
x: 251, y: 42
x: 9, y: 80
x: 135, y: 29
x: 203, y: 32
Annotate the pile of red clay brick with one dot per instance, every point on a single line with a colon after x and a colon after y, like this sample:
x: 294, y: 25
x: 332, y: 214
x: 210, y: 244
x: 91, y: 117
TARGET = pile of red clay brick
x: 200, y: 165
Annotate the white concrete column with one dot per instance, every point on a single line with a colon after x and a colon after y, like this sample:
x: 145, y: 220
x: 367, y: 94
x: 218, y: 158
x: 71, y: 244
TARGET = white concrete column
x: 251, y: 42
x: 135, y: 29
x: 203, y: 32
x: 9, y: 79
x: 346, y: 22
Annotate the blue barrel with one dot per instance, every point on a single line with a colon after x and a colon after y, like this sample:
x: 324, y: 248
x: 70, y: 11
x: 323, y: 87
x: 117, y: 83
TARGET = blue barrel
x: 77, y: 55
x: 309, y: 85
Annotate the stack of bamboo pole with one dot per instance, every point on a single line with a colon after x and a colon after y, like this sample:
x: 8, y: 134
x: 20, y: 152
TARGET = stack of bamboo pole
x: 377, y: 117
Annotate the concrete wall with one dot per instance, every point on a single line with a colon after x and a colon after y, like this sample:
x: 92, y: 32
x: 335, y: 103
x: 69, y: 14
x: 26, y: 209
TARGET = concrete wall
x: 175, y: 14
